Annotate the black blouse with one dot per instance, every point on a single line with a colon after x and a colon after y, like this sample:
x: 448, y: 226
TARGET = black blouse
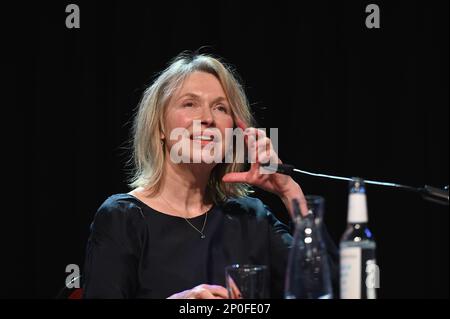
x: 135, y: 251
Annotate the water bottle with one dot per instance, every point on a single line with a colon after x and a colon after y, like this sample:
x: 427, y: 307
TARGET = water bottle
x: 308, y: 273
x: 359, y: 275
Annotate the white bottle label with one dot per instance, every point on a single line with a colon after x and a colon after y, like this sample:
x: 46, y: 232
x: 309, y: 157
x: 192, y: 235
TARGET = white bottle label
x: 350, y: 268
x: 357, y: 208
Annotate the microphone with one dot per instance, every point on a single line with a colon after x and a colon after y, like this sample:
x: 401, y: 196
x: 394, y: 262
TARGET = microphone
x: 430, y: 193
x: 434, y: 194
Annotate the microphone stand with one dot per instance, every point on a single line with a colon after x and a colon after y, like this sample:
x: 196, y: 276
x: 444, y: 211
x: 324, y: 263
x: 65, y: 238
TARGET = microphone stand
x: 430, y: 193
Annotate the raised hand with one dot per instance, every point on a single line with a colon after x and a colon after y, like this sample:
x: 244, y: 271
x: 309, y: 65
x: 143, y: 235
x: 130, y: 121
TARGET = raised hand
x: 261, y: 151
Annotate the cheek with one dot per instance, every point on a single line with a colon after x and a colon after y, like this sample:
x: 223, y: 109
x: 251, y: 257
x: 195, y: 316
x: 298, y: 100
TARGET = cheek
x: 177, y: 119
x: 224, y: 123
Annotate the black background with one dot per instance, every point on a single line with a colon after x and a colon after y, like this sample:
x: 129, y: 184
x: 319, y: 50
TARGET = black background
x: 347, y: 100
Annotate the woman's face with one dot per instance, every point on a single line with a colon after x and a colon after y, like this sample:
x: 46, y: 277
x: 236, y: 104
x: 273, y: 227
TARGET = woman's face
x: 201, y: 109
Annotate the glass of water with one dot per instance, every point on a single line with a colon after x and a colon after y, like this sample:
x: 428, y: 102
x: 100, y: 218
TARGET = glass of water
x: 247, y: 281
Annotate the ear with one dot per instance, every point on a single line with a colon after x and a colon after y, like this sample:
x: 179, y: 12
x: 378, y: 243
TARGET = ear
x: 161, y: 130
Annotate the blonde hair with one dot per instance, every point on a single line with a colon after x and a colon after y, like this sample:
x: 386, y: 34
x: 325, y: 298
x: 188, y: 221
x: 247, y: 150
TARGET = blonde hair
x: 148, y: 151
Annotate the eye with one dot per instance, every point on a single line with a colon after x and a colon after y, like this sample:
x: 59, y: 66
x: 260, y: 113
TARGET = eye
x: 188, y: 104
x: 221, y: 108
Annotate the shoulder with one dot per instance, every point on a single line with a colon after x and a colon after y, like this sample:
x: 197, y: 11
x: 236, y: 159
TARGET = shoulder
x: 120, y: 204
x: 119, y: 223
x: 118, y: 209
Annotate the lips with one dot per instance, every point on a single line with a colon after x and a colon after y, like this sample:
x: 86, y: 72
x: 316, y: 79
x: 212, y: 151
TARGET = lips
x: 203, y: 136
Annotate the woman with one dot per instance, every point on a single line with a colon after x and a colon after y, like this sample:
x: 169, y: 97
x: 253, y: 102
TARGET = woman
x: 183, y: 222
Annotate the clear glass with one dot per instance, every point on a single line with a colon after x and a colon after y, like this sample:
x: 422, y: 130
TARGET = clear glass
x: 308, y: 274
x: 247, y: 281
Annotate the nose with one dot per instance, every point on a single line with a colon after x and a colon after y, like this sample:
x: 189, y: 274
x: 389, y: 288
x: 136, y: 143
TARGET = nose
x: 207, y: 117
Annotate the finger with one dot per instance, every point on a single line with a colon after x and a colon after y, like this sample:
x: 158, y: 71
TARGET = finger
x: 260, y: 148
x: 303, y: 205
x: 218, y: 291
x: 264, y: 148
x: 250, y: 140
x: 240, y: 177
x: 258, y: 133
x: 253, y: 136
x: 201, y: 292
x: 234, y: 290
x: 204, y: 294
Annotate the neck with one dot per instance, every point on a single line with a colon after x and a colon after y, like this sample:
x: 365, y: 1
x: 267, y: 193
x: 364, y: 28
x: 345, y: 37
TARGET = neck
x: 183, y: 186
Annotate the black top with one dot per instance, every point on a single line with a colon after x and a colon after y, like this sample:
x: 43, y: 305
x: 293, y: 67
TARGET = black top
x: 135, y: 251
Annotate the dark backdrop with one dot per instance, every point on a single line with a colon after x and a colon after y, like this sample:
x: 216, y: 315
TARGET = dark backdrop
x: 347, y: 100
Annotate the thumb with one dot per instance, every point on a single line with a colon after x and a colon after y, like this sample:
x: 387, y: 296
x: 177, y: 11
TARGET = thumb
x: 235, y: 177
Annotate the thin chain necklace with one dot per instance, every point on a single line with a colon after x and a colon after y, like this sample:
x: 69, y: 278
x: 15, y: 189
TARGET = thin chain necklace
x: 202, y: 234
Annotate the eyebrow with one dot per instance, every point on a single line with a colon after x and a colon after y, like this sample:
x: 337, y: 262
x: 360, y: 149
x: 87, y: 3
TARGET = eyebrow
x: 197, y: 97
x: 192, y: 95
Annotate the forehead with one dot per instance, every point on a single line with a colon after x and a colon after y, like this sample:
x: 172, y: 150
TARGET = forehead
x: 202, y: 84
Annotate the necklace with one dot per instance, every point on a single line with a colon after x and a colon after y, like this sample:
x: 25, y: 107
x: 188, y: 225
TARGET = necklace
x: 202, y: 234
x: 203, y: 227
